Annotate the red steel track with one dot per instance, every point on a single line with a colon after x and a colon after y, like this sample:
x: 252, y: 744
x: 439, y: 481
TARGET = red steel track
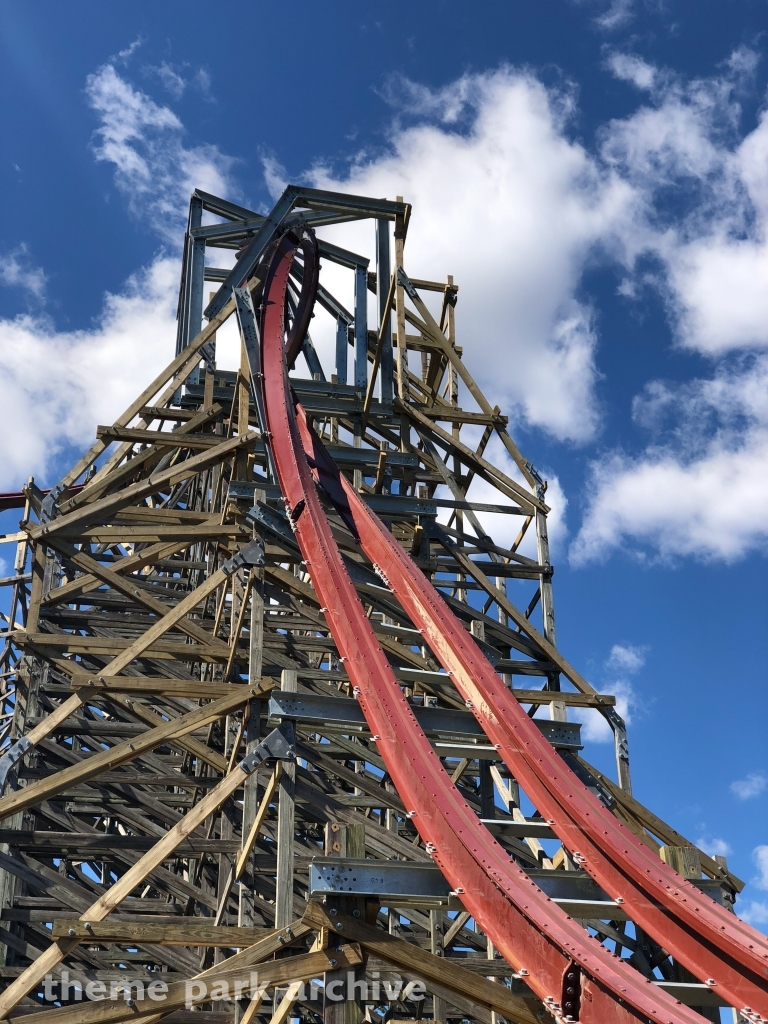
x: 575, y: 975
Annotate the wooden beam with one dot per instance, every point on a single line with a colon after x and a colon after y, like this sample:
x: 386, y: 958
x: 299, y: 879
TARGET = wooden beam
x: 91, y: 766
x: 155, y: 482
x: 170, y: 619
x: 193, y: 689
x: 181, y: 993
x: 128, y: 588
x: 286, y: 817
x: 412, y: 958
x: 514, y: 613
x: 55, y: 953
x: 191, y: 931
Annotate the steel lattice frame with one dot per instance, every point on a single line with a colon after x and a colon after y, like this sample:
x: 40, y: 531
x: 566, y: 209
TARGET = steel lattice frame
x: 168, y: 613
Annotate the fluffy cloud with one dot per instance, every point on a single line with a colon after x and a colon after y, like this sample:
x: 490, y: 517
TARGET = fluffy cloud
x: 756, y: 912
x: 144, y: 142
x: 714, y: 847
x: 624, y: 661
x: 701, y: 490
x: 56, y: 386
x: 17, y: 271
x: 704, y: 491
x: 760, y: 858
x: 753, y: 785
x: 513, y: 208
x: 712, y: 241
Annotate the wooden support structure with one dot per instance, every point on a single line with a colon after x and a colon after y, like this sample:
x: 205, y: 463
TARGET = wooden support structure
x: 142, y: 646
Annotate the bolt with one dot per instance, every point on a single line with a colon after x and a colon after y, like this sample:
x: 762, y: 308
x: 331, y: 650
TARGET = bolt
x: 71, y: 933
x: 355, y: 913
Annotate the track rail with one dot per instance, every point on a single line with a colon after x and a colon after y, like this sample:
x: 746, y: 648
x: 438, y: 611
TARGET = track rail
x: 711, y: 942
x: 573, y: 974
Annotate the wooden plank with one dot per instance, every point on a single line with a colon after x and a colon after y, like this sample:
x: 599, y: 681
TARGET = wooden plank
x: 189, y: 932
x: 660, y: 828
x: 197, y: 749
x: 181, y: 361
x: 434, y: 332
x: 130, y: 467
x: 43, y: 789
x: 55, y: 953
x: 170, y: 619
x: 90, y: 581
x: 100, y: 646
x: 520, y: 620
x: 128, y: 587
x: 193, y: 689
x: 180, y: 993
x: 483, y: 468
x: 155, y: 482
x: 412, y: 958
x: 249, y: 841
x: 166, y: 438
x: 286, y: 818
x: 118, y: 533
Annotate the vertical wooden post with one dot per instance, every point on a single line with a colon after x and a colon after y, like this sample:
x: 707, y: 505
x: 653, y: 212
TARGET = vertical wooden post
x: 210, y: 369
x: 246, y: 911
x: 361, y: 327
x: 383, y: 272
x: 402, y: 353
x: 341, y: 351
x: 343, y: 841
x: 557, y: 709
x: 436, y: 932
x: 286, y: 810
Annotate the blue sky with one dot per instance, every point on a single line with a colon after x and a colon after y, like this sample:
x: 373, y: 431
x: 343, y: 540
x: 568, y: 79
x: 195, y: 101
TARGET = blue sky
x: 594, y: 174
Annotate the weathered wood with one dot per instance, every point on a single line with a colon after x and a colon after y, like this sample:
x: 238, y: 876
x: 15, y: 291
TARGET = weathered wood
x: 93, y: 765
x: 411, y: 958
x: 300, y: 968
x: 286, y: 816
x: 191, y: 932
x: 117, y: 893
x: 155, y: 482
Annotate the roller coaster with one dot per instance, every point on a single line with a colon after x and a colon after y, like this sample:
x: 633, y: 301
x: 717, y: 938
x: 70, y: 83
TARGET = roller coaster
x: 295, y: 555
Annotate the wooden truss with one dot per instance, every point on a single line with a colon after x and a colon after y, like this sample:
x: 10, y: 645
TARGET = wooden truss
x: 162, y: 625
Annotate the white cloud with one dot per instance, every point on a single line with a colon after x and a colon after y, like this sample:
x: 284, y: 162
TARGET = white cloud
x: 705, y: 491
x: 618, y: 14
x: 625, y: 658
x: 713, y: 847
x: 713, y: 239
x: 505, y: 202
x: 55, y: 386
x: 624, y: 661
x: 754, y: 913
x: 153, y: 168
x: 16, y: 271
x: 753, y: 785
x: 760, y: 858
x: 631, y: 68
x: 172, y: 81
